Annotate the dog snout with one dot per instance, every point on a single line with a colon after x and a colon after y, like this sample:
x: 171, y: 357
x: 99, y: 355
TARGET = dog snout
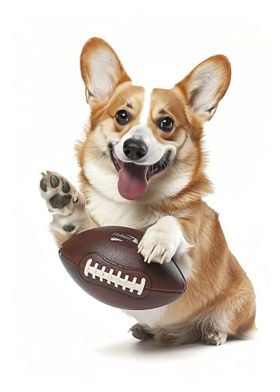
x: 135, y: 149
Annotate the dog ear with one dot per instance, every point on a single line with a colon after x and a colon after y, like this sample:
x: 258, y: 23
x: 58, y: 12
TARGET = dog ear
x: 206, y: 85
x: 101, y: 69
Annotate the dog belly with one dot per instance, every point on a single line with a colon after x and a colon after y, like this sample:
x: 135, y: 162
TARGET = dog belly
x: 151, y: 317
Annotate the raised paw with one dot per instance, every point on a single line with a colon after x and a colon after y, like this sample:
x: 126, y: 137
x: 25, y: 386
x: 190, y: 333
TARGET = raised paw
x: 157, y: 246
x: 140, y: 332
x: 215, y: 338
x: 61, y: 197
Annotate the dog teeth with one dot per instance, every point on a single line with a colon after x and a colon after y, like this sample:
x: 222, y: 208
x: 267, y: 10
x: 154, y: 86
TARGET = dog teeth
x: 160, y: 165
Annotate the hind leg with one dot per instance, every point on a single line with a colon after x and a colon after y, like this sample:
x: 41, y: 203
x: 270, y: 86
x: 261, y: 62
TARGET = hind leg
x: 235, y: 319
x: 206, y: 329
x: 177, y: 334
x: 215, y: 337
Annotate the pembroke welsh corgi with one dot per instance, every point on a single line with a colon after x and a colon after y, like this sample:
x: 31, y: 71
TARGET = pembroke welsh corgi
x: 142, y: 166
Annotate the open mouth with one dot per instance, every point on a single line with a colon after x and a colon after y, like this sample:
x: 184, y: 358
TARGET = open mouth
x: 133, y: 177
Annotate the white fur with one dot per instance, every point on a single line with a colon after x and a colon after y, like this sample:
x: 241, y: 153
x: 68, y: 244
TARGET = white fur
x: 105, y: 182
x: 141, y: 131
x: 103, y: 73
x: 163, y: 241
x: 146, y: 108
x: 205, y: 81
x: 128, y: 213
x: 155, y: 149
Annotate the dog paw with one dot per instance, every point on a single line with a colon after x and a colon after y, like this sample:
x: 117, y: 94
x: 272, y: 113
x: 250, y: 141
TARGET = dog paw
x: 140, y: 332
x: 61, y: 197
x: 215, y: 338
x: 157, y: 246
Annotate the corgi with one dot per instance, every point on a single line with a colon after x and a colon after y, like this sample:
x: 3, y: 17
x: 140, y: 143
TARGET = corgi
x: 142, y: 166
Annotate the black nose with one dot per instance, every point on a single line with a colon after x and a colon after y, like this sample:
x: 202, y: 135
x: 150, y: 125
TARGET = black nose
x: 135, y: 149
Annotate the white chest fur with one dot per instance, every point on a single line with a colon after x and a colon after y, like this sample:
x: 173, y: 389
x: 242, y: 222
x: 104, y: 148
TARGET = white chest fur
x: 111, y: 213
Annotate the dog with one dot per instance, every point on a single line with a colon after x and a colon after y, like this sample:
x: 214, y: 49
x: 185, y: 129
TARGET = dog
x: 142, y: 166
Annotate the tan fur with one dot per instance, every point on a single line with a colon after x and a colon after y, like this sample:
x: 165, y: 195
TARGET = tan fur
x: 220, y: 298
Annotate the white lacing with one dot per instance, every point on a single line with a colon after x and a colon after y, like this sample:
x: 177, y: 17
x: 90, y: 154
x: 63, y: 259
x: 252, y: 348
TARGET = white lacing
x: 97, y: 271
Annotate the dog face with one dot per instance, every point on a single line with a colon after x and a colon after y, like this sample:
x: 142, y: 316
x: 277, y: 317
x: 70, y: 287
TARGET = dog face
x: 145, y: 144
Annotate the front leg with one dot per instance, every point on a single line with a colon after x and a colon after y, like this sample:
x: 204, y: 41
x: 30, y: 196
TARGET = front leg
x: 67, y: 206
x: 163, y: 241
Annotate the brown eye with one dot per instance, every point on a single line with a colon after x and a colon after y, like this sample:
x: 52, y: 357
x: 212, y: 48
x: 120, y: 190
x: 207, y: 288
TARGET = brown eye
x: 166, y: 124
x: 122, y: 117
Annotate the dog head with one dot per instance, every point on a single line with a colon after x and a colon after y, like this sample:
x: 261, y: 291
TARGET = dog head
x: 145, y: 144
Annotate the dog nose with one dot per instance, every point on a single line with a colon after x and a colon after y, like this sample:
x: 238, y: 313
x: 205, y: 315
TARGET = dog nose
x: 135, y: 149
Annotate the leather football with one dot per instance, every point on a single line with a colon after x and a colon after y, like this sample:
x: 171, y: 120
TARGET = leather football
x: 105, y: 263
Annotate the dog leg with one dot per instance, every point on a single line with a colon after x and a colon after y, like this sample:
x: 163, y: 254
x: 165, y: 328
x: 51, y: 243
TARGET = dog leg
x: 67, y: 206
x: 162, y: 241
x: 177, y: 334
x: 215, y: 338
x: 141, y: 332
x: 214, y: 328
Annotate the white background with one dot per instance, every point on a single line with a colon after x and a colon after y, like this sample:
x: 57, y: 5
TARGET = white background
x: 61, y: 338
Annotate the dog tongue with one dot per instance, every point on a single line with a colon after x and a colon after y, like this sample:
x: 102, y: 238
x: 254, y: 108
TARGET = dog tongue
x: 132, y: 180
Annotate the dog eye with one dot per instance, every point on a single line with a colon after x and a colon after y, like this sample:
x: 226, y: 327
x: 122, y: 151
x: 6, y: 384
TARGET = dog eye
x: 166, y: 124
x: 122, y: 117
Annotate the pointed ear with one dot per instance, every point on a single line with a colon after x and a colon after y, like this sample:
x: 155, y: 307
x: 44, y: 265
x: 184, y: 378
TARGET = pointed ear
x: 101, y: 69
x: 206, y: 85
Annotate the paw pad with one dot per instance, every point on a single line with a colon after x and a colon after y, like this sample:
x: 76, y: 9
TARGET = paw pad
x: 59, y: 201
x: 69, y: 228
x: 58, y: 192
x: 54, y: 181
x: 43, y: 185
x: 65, y: 187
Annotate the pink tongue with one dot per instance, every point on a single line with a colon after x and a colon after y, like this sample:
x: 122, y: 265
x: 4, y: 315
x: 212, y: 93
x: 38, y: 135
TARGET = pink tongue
x: 132, y: 180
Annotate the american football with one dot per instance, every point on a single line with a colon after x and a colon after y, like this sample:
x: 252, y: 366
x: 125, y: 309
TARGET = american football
x: 105, y: 262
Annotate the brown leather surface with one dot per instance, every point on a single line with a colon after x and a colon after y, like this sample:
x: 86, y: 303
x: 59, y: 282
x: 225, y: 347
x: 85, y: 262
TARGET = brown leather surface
x: 115, y: 248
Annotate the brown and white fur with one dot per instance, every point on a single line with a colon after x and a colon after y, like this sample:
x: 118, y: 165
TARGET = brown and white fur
x: 220, y: 301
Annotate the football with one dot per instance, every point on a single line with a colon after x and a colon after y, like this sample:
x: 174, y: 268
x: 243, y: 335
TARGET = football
x: 105, y: 263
